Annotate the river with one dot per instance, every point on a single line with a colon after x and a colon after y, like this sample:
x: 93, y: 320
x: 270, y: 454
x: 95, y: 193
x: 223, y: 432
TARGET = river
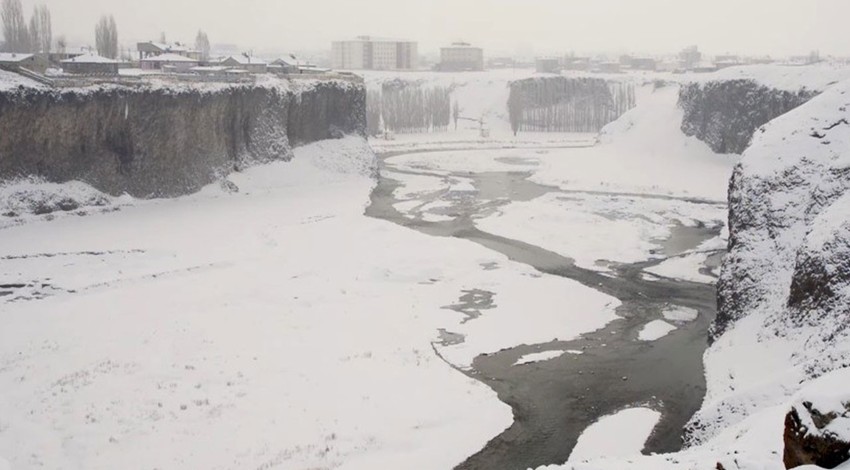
x: 557, y: 399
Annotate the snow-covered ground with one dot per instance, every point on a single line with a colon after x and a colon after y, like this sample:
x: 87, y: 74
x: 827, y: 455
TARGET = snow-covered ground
x: 273, y: 327
x: 622, y: 434
x: 277, y: 327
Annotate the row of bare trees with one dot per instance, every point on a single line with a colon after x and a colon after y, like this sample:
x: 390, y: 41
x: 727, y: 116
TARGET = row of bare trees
x: 405, y: 108
x: 20, y: 36
x: 37, y: 35
x: 106, y: 37
x: 562, y: 104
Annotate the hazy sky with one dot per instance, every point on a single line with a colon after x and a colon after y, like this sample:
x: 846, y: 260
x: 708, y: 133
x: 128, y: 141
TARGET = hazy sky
x: 548, y: 26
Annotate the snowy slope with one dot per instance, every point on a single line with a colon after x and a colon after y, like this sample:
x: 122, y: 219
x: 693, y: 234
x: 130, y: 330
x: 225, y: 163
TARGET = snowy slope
x: 273, y: 327
x: 785, y: 294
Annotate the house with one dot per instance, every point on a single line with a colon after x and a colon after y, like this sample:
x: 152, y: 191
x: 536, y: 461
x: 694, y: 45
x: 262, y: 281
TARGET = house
x: 642, y: 63
x: 311, y: 69
x: 169, y: 62
x: 90, y: 64
x: 576, y: 63
x: 607, y: 67
x: 284, y: 65
x: 56, y: 57
x: 245, y: 62
x: 210, y: 71
x: 461, y: 56
x: 14, y: 60
x: 547, y: 65
x: 152, y: 49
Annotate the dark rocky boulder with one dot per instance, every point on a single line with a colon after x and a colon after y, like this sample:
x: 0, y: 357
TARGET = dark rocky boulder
x: 808, y: 440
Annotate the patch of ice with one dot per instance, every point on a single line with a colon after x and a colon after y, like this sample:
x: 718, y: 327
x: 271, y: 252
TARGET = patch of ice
x: 677, y: 313
x: 543, y: 356
x: 655, y: 330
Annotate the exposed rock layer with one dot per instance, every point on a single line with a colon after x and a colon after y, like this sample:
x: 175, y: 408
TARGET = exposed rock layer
x: 726, y: 113
x: 161, y: 141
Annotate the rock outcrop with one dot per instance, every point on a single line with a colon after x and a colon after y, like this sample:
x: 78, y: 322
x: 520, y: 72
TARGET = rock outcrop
x: 152, y: 141
x: 784, y: 288
x: 726, y: 113
x: 816, y: 437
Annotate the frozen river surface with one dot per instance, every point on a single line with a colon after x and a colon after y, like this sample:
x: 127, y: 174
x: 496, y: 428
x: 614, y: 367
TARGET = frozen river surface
x: 649, y: 354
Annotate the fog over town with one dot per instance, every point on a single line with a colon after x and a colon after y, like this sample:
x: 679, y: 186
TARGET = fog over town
x: 506, y: 26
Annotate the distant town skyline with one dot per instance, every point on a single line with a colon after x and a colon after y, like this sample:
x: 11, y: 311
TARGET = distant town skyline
x: 529, y: 27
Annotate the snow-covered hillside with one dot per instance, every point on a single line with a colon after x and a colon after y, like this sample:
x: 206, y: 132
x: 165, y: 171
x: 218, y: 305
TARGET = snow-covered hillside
x: 781, y: 336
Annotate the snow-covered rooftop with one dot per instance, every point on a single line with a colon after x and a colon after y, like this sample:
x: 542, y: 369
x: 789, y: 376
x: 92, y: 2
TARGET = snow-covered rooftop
x: 169, y: 47
x: 91, y: 59
x: 244, y: 60
x: 168, y: 58
x: 13, y: 57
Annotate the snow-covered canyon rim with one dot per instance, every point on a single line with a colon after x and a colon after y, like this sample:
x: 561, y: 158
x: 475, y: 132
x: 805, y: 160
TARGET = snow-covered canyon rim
x: 167, y: 139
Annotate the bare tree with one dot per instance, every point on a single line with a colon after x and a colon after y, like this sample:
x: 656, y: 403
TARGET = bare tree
x: 456, y: 113
x: 106, y: 37
x: 162, y: 37
x: 41, y: 29
x: 202, y: 44
x: 61, y: 44
x: 15, y: 29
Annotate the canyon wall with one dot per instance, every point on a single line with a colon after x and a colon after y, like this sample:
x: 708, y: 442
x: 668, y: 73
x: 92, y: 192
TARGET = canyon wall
x: 783, y: 319
x: 726, y: 113
x: 167, y: 140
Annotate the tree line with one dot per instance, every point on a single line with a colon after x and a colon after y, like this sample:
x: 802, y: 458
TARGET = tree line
x: 404, y: 108
x: 562, y: 104
x: 36, y: 36
x: 19, y: 35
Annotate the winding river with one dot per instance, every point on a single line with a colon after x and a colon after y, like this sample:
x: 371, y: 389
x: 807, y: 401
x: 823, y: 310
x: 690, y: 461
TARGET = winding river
x: 555, y: 401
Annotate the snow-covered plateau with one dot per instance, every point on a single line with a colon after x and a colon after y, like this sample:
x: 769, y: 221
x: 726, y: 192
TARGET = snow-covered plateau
x: 444, y: 299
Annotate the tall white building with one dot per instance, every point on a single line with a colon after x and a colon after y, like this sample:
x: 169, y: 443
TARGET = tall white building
x: 369, y: 53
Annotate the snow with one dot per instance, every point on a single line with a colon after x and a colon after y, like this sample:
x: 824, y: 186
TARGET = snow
x: 561, y: 310
x: 644, y: 152
x: 542, y: 356
x: 243, y: 60
x: 10, y: 81
x: 596, y: 229
x: 27, y: 199
x: 679, y: 314
x: 168, y: 57
x: 686, y: 268
x: 14, y: 57
x: 816, y: 77
x: 90, y: 59
x: 296, y: 333
x: 622, y: 434
x: 654, y: 330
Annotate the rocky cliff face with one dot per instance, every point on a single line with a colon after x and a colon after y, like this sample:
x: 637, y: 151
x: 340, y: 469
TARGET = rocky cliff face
x: 163, y: 141
x: 726, y: 113
x: 784, y: 289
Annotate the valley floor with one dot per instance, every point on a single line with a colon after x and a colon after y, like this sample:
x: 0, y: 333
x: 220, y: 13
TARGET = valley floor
x: 276, y: 321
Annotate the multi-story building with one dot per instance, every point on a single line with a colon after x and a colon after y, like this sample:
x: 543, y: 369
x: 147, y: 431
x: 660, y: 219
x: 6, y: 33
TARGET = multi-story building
x: 461, y: 56
x: 369, y: 53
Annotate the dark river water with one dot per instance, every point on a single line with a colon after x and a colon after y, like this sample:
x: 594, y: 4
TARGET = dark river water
x: 554, y: 401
